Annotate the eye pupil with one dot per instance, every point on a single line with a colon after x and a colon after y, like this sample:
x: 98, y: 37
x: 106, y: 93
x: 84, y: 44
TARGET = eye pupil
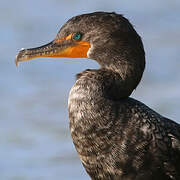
x: 77, y: 36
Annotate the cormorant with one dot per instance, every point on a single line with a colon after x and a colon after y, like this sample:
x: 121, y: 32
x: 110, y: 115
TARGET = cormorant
x: 116, y: 137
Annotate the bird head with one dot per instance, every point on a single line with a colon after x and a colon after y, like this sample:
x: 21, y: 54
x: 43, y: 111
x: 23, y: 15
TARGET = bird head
x: 108, y: 38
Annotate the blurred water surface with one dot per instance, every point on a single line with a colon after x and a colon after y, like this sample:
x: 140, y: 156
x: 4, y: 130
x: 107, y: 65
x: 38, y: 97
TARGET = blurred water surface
x: 35, y: 140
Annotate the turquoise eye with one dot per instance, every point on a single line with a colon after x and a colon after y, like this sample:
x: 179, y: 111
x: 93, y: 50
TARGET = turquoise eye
x: 77, y: 36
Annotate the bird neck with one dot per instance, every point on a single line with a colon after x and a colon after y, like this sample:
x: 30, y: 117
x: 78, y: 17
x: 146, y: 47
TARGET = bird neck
x: 123, y: 65
x: 124, y: 77
x: 114, y: 82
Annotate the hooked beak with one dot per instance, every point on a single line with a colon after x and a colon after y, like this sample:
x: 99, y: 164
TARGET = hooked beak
x: 65, y: 47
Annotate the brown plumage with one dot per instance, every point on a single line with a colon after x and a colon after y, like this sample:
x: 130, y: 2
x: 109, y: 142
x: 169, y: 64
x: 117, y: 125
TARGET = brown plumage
x: 116, y: 137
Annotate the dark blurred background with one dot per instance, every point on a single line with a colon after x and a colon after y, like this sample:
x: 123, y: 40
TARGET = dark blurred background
x: 35, y: 141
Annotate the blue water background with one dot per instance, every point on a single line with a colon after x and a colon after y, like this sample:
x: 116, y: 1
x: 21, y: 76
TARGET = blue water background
x: 35, y: 141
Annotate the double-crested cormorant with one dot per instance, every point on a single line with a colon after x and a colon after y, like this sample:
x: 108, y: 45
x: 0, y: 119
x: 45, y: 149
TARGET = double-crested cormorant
x: 116, y: 137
